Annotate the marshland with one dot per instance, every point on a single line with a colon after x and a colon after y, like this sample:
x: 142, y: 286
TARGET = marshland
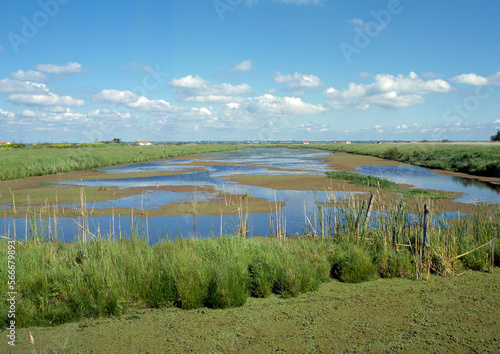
x: 111, y: 231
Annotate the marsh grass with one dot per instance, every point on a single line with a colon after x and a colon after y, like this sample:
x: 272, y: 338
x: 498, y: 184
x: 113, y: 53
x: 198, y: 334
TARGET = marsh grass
x: 384, y: 184
x: 481, y: 160
x: 40, y: 160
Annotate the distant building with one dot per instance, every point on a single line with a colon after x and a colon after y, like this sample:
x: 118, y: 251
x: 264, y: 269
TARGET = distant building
x: 347, y: 141
x: 4, y: 142
x: 144, y: 143
x: 306, y: 143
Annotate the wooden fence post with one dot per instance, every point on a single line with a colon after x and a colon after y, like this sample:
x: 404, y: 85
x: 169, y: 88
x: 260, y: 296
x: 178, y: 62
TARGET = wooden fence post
x: 425, y: 241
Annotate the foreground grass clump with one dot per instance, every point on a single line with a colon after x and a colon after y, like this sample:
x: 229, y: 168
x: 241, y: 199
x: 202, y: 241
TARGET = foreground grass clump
x: 60, y: 283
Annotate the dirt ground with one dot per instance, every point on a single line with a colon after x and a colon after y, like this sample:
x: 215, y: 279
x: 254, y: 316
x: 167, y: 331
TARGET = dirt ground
x: 442, y: 315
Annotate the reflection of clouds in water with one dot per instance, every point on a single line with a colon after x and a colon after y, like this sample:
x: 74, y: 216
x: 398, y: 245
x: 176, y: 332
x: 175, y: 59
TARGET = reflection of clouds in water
x: 259, y: 158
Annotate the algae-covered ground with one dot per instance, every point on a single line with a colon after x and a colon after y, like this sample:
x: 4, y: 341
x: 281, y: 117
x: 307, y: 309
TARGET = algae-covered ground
x: 445, y: 314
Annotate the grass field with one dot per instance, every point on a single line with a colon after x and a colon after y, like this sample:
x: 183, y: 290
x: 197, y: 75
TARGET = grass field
x: 45, y: 160
x: 482, y: 160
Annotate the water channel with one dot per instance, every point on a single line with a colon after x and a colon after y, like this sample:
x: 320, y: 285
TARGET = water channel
x: 212, y: 171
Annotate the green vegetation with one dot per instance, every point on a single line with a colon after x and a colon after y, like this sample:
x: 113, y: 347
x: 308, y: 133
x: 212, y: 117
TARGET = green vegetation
x: 483, y: 160
x: 58, y: 282
x: 45, y: 159
x: 362, y: 180
x: 382, y: 183
x: 496, y: 137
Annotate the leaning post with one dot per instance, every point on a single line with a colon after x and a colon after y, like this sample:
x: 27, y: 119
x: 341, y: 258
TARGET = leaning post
x: 425, y: 242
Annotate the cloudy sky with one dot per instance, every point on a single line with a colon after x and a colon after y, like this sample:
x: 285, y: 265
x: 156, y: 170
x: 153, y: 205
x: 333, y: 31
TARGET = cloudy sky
x: 170, y: 70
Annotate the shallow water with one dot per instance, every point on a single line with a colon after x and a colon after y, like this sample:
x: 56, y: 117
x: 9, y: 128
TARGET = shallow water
x: 255, y: 161
x: 473, y: 191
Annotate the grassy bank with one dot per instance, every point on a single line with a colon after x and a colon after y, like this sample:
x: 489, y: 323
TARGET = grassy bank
x: 481, y: 160
x: 58, y: 283
x: 45, y: 160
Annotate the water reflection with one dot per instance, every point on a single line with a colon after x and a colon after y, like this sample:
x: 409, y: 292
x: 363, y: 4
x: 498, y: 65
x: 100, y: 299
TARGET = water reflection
x: 473, y: 191
x: 299, y: 205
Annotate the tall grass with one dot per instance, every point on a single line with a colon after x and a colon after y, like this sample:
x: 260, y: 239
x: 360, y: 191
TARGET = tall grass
x: 31, y: 161
x: 59, y: 282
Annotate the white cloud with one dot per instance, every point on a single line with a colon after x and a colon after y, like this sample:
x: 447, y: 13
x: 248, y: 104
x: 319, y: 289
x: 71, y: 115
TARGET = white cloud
x: 28, y: 113
x: 313, y: 128
x: 48, y: 99
x: 17, y: 86
x: 245, y: 65
x: 477, y: 80
x: 195, y: 89
x: 6, y: 114
x: 29, y: 75
x: 471, y: 79
x: 55, y: 109
x: 69, y: 68
x: 109, y: 114
x: 387, y: 91
x: 131, y: 100
x: 298, y: 83
x: 271, y: 105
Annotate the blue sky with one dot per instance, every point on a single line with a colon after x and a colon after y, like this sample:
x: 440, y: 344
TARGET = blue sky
x: 79, y: 71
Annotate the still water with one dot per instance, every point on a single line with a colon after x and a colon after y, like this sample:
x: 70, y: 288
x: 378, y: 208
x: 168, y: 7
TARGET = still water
x: 256, y: 161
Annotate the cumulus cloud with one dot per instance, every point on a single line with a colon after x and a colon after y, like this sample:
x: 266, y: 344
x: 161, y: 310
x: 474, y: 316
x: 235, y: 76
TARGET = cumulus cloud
x: 195, y: 89
x: 298, y: 83
x: 387, y: 91
x: 131, y: 100
x: 477, y: 80
x: 29, y: 75
x: 245, y: 65
x: 28, y: 113
x: 48, y: 99
x: 271, y: 105
x: 18, y: 86
x: 69, y: 68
